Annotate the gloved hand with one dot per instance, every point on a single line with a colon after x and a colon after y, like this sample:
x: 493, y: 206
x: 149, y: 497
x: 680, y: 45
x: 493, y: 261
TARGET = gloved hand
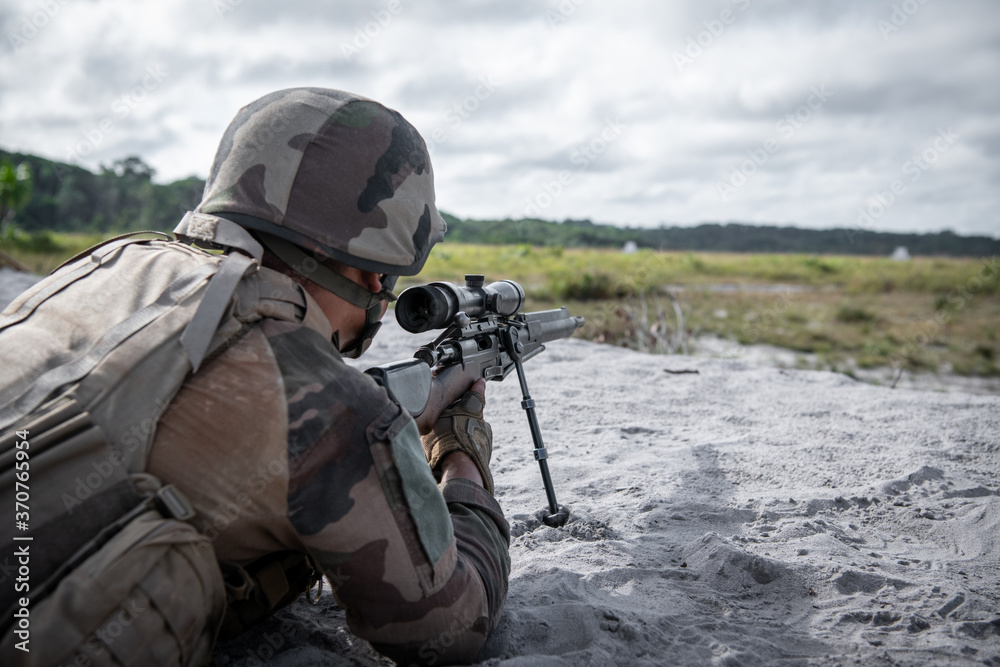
x: 461, y: 427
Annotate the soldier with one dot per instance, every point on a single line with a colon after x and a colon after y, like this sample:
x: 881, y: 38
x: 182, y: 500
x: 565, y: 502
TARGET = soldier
x: 288, y: 458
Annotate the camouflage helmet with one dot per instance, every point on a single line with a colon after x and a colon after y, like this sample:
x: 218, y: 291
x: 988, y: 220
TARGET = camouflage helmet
x: 332, y: 173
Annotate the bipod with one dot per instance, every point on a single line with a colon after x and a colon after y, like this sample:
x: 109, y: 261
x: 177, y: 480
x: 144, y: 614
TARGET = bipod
x: 557, y: 514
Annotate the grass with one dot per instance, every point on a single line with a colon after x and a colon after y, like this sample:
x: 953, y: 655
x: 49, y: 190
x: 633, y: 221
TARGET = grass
x: 44, y: 251
x: 555, y: 270
x: 927, y: 313
x: 924, y: 314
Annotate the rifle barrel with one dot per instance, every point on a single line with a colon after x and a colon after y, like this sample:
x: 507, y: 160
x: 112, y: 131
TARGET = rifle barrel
x: 548, y: 325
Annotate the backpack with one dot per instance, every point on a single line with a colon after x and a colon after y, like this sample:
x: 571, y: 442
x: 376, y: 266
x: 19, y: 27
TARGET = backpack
x: 105, y: 563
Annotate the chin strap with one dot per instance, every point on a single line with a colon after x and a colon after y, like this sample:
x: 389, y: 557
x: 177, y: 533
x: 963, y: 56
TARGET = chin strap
x: 333, y: 281
x: 372, y: 325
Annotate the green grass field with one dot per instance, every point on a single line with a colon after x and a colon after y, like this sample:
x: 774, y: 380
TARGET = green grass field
x: 924, y: 314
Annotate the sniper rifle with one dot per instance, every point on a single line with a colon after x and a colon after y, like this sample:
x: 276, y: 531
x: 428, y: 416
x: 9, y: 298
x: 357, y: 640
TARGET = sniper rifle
x: 486, y: 336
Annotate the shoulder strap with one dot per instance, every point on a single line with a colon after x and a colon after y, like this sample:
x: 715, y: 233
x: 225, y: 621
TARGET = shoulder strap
x: 209, y: 230
x: 212, y: 231
x: 24, y: 305
x: 129, y: 236
x: 198, y: 334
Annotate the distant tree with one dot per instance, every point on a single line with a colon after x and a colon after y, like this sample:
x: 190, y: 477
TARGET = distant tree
x: 15, y: 189
x: 127, y: 191
x: 131, y: 168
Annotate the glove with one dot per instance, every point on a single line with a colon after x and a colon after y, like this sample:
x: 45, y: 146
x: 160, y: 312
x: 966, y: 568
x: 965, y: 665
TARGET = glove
x: 461, y: 427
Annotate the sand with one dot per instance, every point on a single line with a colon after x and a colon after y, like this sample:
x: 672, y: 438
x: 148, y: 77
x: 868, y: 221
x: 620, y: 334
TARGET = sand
x: 740, y: 515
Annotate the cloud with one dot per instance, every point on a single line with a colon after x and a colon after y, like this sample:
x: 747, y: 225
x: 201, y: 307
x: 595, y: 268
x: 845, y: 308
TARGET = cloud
x: 557, y: 73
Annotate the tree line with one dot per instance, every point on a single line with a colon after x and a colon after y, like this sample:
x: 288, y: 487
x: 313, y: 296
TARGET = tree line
x: 120, y: 197
x: 123, y: 197
x: 714, y: 237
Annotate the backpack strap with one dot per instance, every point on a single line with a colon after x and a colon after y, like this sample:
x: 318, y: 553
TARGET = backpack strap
x: 213, y: 232
x: 199, y: 333
x: 130, y: 236
x: 24, y: 305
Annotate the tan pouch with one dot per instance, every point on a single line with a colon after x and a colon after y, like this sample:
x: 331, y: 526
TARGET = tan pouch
x: 152, y: 595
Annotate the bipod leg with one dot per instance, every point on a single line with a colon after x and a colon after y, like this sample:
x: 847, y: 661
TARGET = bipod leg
x: 557, y: 514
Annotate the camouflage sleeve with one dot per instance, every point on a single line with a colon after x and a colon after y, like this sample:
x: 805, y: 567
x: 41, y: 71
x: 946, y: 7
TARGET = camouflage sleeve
x: 421, y: 571
x: 483, y: 537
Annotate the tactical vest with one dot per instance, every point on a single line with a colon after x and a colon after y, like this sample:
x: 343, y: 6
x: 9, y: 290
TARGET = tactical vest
x: 103, y: 560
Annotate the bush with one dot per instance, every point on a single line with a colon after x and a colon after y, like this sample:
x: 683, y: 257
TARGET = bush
x: 584, y: 286
x: 820, y: 265
x: 43, y: 241
x: 854, y: 315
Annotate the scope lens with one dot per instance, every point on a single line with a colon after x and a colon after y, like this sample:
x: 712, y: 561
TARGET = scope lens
x: 423, y: 308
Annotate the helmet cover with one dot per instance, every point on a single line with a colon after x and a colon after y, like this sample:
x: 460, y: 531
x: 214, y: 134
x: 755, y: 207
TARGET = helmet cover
x: 332, y: 172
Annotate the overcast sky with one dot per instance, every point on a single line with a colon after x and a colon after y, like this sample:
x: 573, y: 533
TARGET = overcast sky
x: 874, y: 114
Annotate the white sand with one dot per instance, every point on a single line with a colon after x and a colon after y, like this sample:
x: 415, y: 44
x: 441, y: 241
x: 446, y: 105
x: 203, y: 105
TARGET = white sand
x: 739, y: 516
x: 743, y: 515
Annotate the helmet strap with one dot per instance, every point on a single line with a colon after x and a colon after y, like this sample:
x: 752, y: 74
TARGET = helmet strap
x: 372, y: 325
x: 329, y: 279
x: 333, y: 281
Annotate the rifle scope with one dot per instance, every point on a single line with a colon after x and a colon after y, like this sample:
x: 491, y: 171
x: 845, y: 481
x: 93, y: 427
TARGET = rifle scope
x: 435, y: 305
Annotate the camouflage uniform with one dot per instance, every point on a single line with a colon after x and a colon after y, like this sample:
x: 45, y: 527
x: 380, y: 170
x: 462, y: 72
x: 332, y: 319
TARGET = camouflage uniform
x: 278, y: 444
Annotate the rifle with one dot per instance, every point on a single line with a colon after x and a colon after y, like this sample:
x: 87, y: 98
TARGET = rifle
x: 487, y: 336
